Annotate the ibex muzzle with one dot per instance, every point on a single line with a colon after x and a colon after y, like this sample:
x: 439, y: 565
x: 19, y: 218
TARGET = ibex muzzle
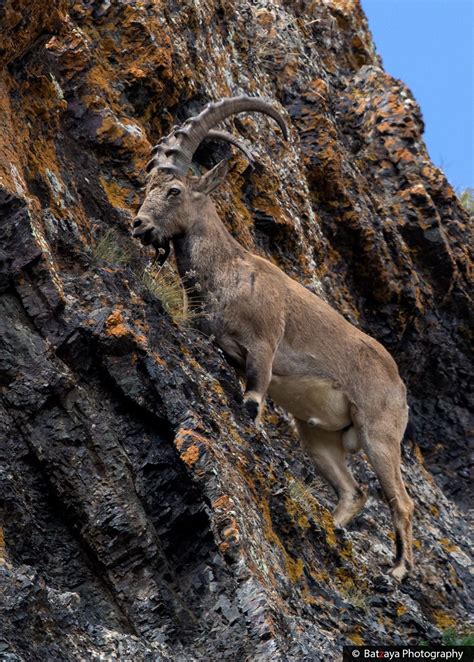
x: 341, y: 386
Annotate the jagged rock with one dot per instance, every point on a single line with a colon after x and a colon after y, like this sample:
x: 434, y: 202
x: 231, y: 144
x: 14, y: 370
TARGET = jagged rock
x: 143, y: 517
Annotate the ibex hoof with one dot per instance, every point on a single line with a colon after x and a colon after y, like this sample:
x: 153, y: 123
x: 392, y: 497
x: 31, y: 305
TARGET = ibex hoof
x: 252, y: 409
x: 400, y: 571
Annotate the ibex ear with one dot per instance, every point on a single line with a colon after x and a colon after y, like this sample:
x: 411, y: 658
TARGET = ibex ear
x: 212, y: 179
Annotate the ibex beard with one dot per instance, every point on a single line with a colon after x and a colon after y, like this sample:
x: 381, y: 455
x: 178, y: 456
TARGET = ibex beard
x: 341, y: 386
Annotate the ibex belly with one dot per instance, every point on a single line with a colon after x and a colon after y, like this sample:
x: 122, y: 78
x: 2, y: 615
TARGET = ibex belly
x: 312, y: 400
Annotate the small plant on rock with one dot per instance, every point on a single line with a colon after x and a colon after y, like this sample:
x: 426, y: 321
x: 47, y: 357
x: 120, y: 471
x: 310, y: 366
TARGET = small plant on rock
x: 164, y: 284
x: 466, y: 197
x: 110, y: 247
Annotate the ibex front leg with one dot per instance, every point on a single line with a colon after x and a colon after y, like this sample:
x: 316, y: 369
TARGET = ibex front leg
x: 258, y: 373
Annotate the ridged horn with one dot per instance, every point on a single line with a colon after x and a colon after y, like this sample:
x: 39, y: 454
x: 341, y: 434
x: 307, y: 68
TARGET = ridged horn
x: 176, y: 151
x: 214, y: 134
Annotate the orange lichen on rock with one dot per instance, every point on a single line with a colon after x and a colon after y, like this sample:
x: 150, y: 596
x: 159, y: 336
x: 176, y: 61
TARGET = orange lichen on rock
x: 191, y: 455
x: 24, y: 21
x: 223, y: 501
x: 115, y: 325
x: 185, y: 435
x: 158, y: 359
x: 231, y: 532
x: 119, y: 196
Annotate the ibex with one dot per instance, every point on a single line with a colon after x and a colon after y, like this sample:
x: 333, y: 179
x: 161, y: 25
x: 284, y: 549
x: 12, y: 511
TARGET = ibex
x: 341, y: 386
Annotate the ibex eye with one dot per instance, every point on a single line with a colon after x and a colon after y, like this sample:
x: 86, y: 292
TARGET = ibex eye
x: 174, y: 191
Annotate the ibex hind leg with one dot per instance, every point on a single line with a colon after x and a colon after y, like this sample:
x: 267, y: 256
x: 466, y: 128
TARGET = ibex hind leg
x: 329, y: 456
x: 381, y: 442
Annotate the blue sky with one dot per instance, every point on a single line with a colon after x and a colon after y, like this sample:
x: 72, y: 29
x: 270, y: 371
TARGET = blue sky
x: 429, y: 45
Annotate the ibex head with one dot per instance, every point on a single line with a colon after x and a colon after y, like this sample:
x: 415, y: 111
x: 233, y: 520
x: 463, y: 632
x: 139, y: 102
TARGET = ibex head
x: 174, y: 199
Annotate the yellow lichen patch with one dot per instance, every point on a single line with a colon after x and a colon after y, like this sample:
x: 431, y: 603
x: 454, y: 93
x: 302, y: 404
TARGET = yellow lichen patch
x: 98, y: 79
x: 266, y: 202
x: 296, y: 513
x: 45, y: 100
x: 443, y: 620
x: 321, y: 516
x: 217, y: 389
x: 448, y: 545
x: 321, y: 575
x: 390, y: 143
x: 117, y: 195
x: 42, y: 157
x: 327, y: 521
x: 401, y: 609
x: 273, y: 538
x: 344, y: 578
x: 195, y: 365
x: 295, y: 568
x: 356, y: 637
x: 434, y: 510
x: 125, y: 133
x: 271, y: 419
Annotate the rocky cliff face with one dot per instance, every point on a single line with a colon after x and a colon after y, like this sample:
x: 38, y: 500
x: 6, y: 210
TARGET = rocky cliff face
x: 143, y: 517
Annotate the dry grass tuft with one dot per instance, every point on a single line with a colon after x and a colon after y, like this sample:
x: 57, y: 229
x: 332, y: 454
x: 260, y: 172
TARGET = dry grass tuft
x: 165, y: 284
x: 110, y: 247
x: 162, y: 282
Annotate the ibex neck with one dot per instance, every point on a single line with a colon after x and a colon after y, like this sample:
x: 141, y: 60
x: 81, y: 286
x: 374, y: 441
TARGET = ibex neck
x: 205, y: 250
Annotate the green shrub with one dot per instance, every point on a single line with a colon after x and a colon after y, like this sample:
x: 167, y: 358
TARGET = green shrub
x: 466, y: 197
x: 453, y: 638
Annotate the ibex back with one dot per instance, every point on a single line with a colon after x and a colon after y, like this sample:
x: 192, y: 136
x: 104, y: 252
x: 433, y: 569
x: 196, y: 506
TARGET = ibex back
x: 341, y: 386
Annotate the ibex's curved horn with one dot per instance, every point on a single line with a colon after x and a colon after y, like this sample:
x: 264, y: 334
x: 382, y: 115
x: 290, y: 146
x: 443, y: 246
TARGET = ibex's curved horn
x: 196, y: 128
x: 183, y: 142
x: 214, y: 134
